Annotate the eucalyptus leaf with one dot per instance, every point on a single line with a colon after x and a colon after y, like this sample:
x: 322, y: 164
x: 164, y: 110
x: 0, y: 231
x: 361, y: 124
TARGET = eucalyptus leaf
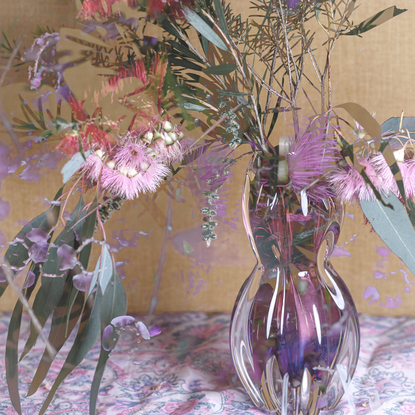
x: 73, y: 165
x: 375, y: 21
x: 114, y: 304
x: 17, y: 254
x: 12, y: 345
x: 203, y: 28
x: 221, y: 17
x: 223, y: 69
x: 88, y: 334
x: 193, y: 107
x: 103, y: 270
x: 58, y: 332
x: 393, y: 227
x: 52, y: 289
x: 394, y: 124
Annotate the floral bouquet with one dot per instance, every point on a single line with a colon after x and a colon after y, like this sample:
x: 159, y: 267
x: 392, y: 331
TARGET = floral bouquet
x: 119, y: 98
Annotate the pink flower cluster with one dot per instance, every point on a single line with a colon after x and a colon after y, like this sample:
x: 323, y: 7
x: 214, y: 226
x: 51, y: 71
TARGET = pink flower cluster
x: 139, y: 163
x: 351, y: 187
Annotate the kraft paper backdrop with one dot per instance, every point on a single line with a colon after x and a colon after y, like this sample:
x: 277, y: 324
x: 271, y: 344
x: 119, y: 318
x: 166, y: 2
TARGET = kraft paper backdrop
x: 375, y: 71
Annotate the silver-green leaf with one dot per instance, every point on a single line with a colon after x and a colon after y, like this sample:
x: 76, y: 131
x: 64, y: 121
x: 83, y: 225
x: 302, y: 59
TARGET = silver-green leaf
x: 393, y: 226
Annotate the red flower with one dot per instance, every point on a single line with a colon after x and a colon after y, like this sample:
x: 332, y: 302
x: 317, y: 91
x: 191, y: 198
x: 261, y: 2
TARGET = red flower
x: 95, y: 8
x: 174, y: 8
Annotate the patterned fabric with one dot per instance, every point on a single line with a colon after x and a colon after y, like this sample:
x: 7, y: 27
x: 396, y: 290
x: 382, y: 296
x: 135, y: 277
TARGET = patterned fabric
x: 187, y: 370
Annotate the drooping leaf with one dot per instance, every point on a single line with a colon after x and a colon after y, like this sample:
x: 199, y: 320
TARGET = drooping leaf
x: 88, y: 334
x: 52, y: 288
x: 17, y: 254
x: 59, y: 331
x: 375, y: 21
x: 203, y: 28
x: 224, y: 69
x: 73, y: 165
x: 393, y: 226
x: 114, y: 304
x: 11, y: 359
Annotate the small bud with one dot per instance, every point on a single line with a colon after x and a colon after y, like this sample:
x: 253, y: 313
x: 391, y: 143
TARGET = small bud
x: 399, y: 155
x: 156, y: 135
x: 167, y: 126
x: 111, y: 164
x: 152, y: 153
x: 181, y: 135
x: 173, y: 136
x: 99, y: 153
x: 148, y: 137
x: 167, y: 139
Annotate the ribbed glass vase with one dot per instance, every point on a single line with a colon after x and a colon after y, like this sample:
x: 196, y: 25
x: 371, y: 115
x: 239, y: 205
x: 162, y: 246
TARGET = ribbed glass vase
x: 294, y: 331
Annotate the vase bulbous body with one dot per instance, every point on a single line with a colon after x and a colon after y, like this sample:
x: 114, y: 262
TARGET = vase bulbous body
x: 294, y: 327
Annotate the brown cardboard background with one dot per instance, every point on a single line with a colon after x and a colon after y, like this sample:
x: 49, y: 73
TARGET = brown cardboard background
x: 375, y: 71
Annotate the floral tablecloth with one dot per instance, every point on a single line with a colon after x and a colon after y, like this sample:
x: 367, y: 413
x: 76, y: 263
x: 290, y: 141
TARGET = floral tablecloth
x: 187, y: 370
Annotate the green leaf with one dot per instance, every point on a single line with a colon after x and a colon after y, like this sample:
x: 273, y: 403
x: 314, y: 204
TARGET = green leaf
x: 221, y: 17
x: 73, y: 165
x: 393, y: 125
x: 393, y: 226
x: 114, y: 305
x: 58, y: 333
x: 184, y: 63
x: 51, y: 290
x: 193, y: 107
x: 184, y: 50
x: 375, y: 21
x: 11, y: 359
x: 88, y: 334
x: 203, y: 28
x: 103, y: 270
x: 16, y: 255
x: 223, y: 69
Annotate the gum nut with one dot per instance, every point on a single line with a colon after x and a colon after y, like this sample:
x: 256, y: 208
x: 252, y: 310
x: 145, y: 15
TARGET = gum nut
x: 123, y: 170
x: 181, y: 135
x: 167, y: 126
x: 99, y: 153
x: 132, y: 172
x: 152, y: 154
x: 148, y: 136
x: 111, y: 164
x: 157, y: 135
x: 144, y: 166
x: 173, y: 136
x: 167, y: 139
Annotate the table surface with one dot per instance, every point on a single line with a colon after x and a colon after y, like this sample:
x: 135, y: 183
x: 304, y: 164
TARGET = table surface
x: 187, y: 370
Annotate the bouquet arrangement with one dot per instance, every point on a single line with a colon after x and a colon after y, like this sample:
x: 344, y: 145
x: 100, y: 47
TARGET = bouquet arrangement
x: 119, y: 98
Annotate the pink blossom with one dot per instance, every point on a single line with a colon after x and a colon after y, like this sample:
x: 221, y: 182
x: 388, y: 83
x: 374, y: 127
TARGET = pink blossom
x: 351, y: 187
x: 309, y: 158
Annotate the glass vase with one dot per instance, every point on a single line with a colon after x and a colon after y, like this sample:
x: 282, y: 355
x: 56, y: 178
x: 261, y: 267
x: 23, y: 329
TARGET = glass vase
x: 294, y: 332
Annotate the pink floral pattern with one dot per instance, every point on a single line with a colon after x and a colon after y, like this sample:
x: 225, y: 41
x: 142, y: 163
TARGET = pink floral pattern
x: 187, y: 370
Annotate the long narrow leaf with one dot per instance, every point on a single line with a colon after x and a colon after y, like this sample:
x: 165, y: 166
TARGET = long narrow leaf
x: 114, y: 305
x: 88, y: 334
x: 203, y: 28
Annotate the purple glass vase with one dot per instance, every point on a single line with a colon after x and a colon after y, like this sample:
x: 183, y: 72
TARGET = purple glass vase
x: 294, y: 326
